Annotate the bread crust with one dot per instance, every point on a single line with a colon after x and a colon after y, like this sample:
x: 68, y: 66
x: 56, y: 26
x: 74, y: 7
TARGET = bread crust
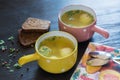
x: 35, y: 24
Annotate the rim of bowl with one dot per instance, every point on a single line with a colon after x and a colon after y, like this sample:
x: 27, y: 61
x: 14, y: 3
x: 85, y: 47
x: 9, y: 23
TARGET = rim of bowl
x: 75, y: 45
x: 60, y: 14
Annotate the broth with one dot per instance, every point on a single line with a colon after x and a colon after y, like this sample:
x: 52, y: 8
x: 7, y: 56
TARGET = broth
x: 77, y: 18
x: 56, y: 47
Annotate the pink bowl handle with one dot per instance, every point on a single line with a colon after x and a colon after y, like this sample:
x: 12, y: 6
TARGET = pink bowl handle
x: 101, y: 31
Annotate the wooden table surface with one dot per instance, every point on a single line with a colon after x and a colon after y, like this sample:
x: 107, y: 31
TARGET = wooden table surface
x: 14, y: 12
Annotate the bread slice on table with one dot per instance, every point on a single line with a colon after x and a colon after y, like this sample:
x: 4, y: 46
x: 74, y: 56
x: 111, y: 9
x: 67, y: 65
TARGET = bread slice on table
x: 32, y: 28
x: 28, y: 38
x: 35, y: 24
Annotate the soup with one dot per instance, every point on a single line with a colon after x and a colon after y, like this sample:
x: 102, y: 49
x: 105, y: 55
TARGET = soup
x: 77, y: 18
x: 56, y: 47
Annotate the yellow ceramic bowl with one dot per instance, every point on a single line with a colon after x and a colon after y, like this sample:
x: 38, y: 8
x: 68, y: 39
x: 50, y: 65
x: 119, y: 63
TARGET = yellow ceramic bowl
x: 52, y: 65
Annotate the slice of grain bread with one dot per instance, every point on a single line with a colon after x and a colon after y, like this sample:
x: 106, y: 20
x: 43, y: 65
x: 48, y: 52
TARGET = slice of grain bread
x: 35, y: 24
x: 28, y: 38
x: 32, y: 28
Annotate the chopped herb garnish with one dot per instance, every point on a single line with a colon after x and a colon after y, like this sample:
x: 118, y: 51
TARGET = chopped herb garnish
x: 17, y: 66
x: 12, y: 50
x: 11, y: 38
x: 70, y: 13
x: 2, y: 42
x: 77, y: 11
x: 11, y: 70
x: 54, y: 38
x: 8, y: 63
x: 10, y: 55
x: 3, y: 48
x: 44, y: 50
x: 8, y: 67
